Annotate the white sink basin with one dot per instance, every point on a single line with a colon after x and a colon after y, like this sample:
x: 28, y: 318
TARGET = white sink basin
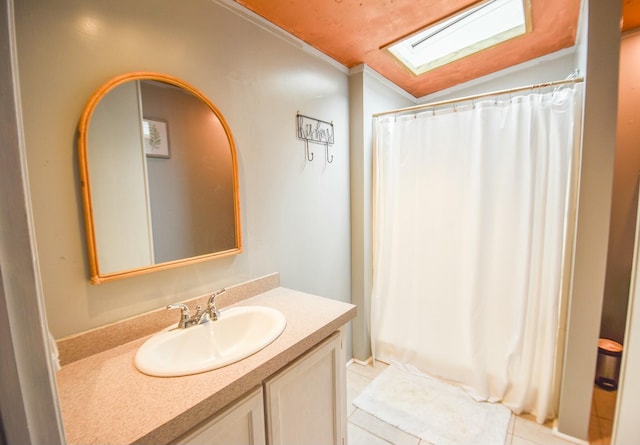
x: 238, y: 333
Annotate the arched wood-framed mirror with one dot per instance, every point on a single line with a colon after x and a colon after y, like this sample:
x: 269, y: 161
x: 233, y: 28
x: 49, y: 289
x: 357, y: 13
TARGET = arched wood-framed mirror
x: 159, y: 177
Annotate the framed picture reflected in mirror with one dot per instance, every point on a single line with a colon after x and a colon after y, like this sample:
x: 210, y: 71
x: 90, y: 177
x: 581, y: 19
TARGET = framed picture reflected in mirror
x: 156, y: 140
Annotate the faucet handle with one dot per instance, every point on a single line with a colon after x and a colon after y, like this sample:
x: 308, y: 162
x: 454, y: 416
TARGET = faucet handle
x: 214, y: 314
x: 212, y: 298
x: 185, y: 315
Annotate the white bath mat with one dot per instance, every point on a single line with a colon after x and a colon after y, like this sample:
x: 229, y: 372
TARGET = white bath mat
x: 437, y: 412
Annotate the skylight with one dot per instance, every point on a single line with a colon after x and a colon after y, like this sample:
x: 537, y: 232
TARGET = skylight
x: 465, y: 33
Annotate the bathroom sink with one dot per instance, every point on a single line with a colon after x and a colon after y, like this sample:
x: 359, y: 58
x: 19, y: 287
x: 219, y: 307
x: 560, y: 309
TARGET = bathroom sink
x: 238, y: 333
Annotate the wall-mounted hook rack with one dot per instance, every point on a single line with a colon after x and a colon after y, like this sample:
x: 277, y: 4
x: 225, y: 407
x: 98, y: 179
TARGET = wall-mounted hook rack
x: 316, y: 131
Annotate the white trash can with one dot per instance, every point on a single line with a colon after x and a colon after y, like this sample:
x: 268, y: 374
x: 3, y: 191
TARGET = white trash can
x: 608, y: 365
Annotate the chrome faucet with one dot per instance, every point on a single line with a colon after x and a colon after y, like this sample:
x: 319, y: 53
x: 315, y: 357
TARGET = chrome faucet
x: 201, y: 316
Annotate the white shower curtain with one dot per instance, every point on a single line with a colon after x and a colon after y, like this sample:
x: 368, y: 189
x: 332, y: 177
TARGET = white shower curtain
x: 470, y: 224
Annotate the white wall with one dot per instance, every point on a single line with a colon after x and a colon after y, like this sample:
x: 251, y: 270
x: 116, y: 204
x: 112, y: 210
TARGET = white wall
x: 555, y: 66
x: 121, y: 221
x: 369, y: 94
x: 295, y: 215
x: 29, y: 412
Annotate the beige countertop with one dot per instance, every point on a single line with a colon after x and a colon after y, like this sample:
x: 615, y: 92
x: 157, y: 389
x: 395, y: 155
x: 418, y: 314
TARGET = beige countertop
x: 106, y: 400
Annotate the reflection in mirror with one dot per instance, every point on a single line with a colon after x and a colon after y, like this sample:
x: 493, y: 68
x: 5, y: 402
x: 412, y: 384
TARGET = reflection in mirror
x: 159, y: 174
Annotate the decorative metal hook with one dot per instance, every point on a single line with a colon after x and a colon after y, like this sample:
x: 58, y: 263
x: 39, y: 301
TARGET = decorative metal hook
x: 326, y: 148
x: 316, y: 131
x: 309, y: 154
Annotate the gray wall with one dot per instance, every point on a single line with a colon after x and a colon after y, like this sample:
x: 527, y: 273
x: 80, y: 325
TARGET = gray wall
x: 598, y: 60
x: 120, y: 214
x: 625, y: 192
x: 295, y: 214
x: 190, y: 193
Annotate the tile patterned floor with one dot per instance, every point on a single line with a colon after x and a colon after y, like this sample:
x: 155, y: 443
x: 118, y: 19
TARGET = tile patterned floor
x: 603, y: 407
x: 364, y: 429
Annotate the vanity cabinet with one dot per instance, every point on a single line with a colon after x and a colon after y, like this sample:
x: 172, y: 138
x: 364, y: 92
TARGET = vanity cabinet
x: 241, y: 424
x: 292, y: 391
x: 305, y: 403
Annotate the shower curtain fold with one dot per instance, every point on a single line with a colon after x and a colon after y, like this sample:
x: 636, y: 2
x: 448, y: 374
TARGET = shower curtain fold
x: 470, y: 223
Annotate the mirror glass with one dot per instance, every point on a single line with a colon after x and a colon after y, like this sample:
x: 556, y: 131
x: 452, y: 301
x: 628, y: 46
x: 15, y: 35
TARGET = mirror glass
x: 159, y: 177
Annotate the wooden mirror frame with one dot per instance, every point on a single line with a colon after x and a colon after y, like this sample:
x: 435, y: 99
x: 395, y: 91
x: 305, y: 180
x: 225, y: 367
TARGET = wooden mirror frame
x: 83, y: 130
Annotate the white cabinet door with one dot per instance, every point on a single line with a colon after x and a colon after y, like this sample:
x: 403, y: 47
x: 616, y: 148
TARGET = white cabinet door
x: 305, y: 402
x: 241, y: 424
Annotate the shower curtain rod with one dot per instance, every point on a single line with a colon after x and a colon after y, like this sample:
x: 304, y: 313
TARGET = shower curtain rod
x: 477, y: 96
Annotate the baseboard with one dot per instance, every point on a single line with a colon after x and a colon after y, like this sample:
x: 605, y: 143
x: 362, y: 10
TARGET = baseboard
x: 366, y: 362
x: 566, y: 436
